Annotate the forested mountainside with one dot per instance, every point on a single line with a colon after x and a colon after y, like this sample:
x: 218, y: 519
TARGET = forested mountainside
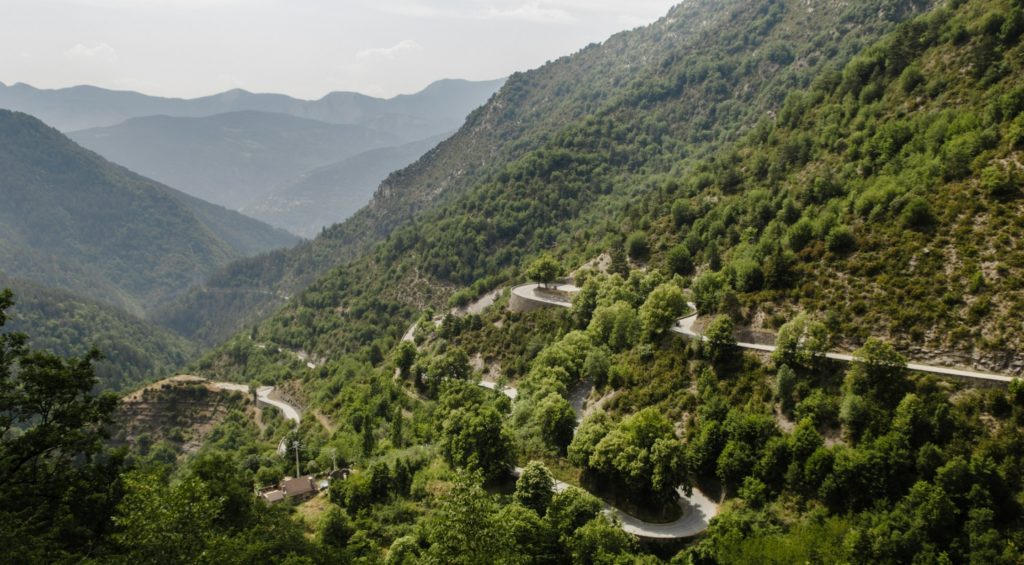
x: 332, y: 193
x: 233, y: 159
x: 75, y: 221
x: 885, y: 199
x: 684, y: 194
x: 134, y: 351
x: 637, y: 104
x: 439, y: 107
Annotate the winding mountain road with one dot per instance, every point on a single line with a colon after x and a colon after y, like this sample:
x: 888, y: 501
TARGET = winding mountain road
x: 684, y: 326
x: 697, y: 510
x: 289, y: 412
x: 263, y: 396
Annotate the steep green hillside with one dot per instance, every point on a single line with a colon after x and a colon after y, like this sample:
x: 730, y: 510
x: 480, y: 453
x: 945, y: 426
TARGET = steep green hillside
x: 75, y: 221
x: 134, y: 351
x: 576, y: 135
x: 886, y: 199
x: 871, y: 197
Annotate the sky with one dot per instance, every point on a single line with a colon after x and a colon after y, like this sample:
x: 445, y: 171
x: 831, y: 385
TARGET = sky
x: 304, y: 48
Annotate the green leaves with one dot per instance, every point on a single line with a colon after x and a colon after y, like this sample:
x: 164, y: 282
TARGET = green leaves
x: 663, y: 306
x: 160, y: 523
x: 535, y: 487
x: 544, y: 270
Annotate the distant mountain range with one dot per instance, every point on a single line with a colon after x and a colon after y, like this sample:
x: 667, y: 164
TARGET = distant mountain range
x: 233, y: 159
x: 72, y: 220
x: 236, y: 148
x: 420, y: 115
x: 334, y: 192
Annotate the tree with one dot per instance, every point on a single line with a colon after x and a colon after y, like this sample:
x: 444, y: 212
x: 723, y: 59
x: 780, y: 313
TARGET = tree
x: 643, y: 453
x: 335, y: 527
x: 556, y: 420
x: 617, y: 326
x: 584, y: 303
x: 532, y: 537
x: 734, y: 463
x: 596, y: 367
x: 785, y: 382
x: 878, y: 371
x: 709, y: 291
x: 570, y: 509
x: 397, y: 420
x: 454, y: 364
x: 617, y: 254
x: 405, y: 356
x: 535, y: 487
x: 719, y: 338
x: 591, y: 431
x: 465, y: 529
x: 678, y: 260
x: 220, y: 473
x: 369, y: 439
x: 637, y: 246
x: 600, y: 541
x: 403, y: 551
x: 380, y: 482
x: 160, y: 523
x: 682, y: 213
x: 544, y: 270
x: 663, y: 306
x: 51, y: 432
x: 801, y: 342
x: 473, y: 437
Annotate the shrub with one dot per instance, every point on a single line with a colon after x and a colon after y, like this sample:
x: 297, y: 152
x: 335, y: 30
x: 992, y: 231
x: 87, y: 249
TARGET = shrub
x: 637, y: 246
x: 840, y: 239
x: 917, y: 214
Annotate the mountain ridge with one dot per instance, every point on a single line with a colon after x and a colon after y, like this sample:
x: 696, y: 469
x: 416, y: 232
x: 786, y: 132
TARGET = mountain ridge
x: 73, y: 115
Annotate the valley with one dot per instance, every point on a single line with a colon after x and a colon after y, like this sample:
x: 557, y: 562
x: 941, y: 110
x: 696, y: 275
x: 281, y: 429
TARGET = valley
x: 743, y: 284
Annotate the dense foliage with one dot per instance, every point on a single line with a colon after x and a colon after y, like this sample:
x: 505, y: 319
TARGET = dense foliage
x: 685, y: 191
x: 134, y: 351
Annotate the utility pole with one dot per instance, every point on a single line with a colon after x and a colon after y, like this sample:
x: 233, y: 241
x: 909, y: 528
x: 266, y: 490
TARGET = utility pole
x: 295, y: 444
x: 334, y: 458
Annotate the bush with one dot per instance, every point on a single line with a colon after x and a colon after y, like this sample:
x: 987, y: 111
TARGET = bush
x: 637, y: 246
x: 1000, y: 181
x: 678, y: 260
x: 917, y: 214
x: 799, y: 234
x: 821, y: 408
x: 840, y: 240
x: 682, y: 213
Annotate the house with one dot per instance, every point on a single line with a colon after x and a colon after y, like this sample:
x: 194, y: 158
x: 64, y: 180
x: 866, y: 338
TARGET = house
x: 300, y: 488
x: 297, y: 489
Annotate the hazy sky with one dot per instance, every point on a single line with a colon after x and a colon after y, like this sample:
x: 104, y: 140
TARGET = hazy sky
x: 304, y: 48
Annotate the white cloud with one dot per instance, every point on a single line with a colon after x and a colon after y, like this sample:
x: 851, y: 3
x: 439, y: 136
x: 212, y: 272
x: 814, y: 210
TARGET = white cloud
x: 530, y: 11
x: 535, y: 11
x: 137, y: 4
x: 101, y: 52
x: 393, y: 52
